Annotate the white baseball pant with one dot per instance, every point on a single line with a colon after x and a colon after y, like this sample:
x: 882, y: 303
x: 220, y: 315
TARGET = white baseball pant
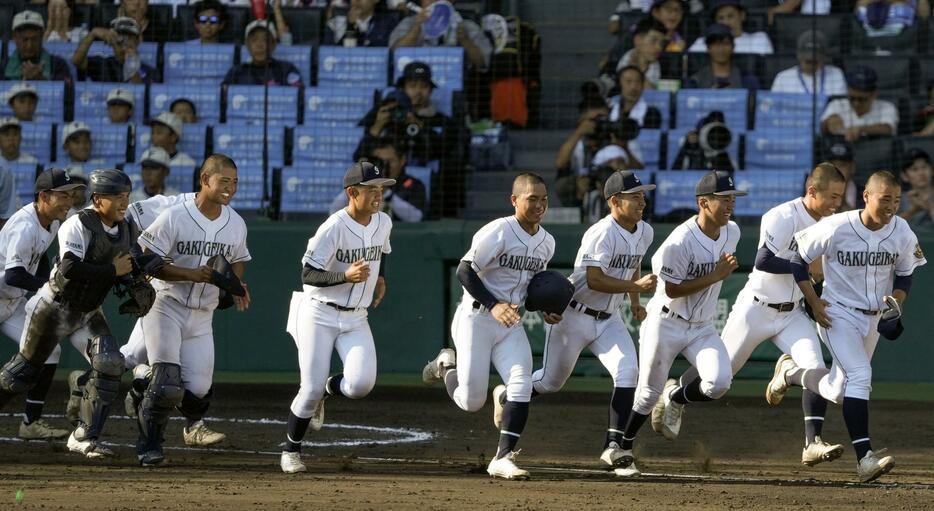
x: 851, y: 340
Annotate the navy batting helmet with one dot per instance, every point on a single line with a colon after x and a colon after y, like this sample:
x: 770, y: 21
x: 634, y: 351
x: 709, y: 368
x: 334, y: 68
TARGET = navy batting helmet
x: 549, y: 291
x: 109, y: 182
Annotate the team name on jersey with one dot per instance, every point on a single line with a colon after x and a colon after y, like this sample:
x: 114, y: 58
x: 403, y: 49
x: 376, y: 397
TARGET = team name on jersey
x: 352, y: 255
x: 697, y: 270
x: 514, y: 262
x: 852, y: 258
x: 203, y: 248
x: 628, y: 261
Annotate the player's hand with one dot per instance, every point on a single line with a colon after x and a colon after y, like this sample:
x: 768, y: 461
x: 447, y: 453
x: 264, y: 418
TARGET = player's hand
x: 506, y: 313
x: 726, y: 265
x: 819, y: 310
x: 123, y: 264
x: 834, y: 125
x: 647, y: 283
x: 107, y: 35
x: 638, y: 312
x: 551, y: 317
x: 816, y: 268
x: 201, y: 274
x: 358, y: 272
x: 242, y: 302
x: 379, y: 291
x: 852, y: 134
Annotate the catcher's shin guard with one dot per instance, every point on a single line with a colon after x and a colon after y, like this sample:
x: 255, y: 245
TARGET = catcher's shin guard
x: 101, y: 390
x: 165, y: 392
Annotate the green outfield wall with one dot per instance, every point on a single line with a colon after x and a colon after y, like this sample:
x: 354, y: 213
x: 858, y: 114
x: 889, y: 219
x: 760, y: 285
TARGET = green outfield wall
x: 412, y: 322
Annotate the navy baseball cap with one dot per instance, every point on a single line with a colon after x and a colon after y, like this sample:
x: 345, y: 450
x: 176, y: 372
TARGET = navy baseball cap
x: 862, y: 78
x: 840, y: 150
x: 624, y: 181
x: 416, y: 71
x: 915, y: 154
x: 717, y: 32
x: 56, y: 180
x: 716, y: 4
x: 366, y: 174
x: 717, y: 182
x: 658, y: 3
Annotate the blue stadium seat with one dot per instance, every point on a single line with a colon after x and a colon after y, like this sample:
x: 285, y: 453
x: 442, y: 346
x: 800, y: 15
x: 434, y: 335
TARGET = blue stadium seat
x: 693, y: 104
x: 310, y: 191
x: 650, y: 145
x: 660, y: 99
x: 245, y: 105
x: 300, y: 55
x: 767, y: 189
x: 363, y: 68
x: 181, y: 178
x: 447, y: 64
x: 779, y: 149
x: 193, y: 142
x: 37, y: 140
x: 109, y: 142
x: 675, y: 190
x: 334, y: 145
x: 207, y: 99
x: 148, y: 51
x: 249, y: 195
x: 245, y: 144
x: 24, y: 179
x: 787, y: 110
x: 51, y: 106
x: 197, y: 64
x: 676, y: 140
x: 336, y: 107
x: 91, y: 99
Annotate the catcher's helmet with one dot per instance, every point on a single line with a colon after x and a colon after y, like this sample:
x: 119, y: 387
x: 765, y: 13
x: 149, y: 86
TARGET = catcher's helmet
x: 549, y: 291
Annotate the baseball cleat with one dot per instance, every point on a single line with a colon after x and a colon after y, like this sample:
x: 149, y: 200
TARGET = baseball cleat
x: 291, y: 462
x: 316, y: 422
x: 775, y: 390
x: 76, y: 392
x: 151, y: 458
x: 874, y: 465
x: 505, y: 468
x: 499, y: 399
x: 671, y: 419
x: 819, y: 451
x: 89, y: 448
x: 612, y: 455
x: 199, y: 434
x: 434, y: 370
x: 627, y: 465
x: 658, y: 414
x: 39, y: 429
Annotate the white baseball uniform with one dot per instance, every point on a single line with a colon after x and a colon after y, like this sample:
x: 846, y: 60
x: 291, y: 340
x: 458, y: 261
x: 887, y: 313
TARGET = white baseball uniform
x: 618, y: 253
x: 178, y: 329
x: 505, y: 257
x: 322, y: 319
x: 859, y: 270
x: 24, y: 242
x: 143, y: 213
x: 684, y: 325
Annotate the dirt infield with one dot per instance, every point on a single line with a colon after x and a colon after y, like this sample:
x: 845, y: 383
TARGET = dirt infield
x: 407, y: 448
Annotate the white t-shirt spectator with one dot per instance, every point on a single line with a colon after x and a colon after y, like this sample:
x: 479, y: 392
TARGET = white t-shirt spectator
x: 652, y: 75
x: 637, y: 113
x: 182, y: 159
x: 750, y: 42
x: 24, y: 157
x: 830, y: 81
x: 881, y: 112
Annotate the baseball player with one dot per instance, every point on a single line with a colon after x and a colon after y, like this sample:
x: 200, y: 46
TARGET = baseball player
x: 343, y: 273
x: 692, y: 262
x: 25, y: 238
x: 178, y: 332
x: 606, y: 267
x: 869, y: 256
x: 95, y: 256
x: 495, y: 273
x: 768, y: 307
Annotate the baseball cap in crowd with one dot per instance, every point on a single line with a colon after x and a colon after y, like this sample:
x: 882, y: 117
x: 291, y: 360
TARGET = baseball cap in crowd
x: 608, y: 154
x: 812, y: 43
x: 624, y: 181
x: 366, y: 174
x: 169, y: 120
x: 862, y: 78
x: 715, y: 5
x: 717, y: 182
x: 6, y: 122
x: 20, y: 89
x: 907, y: 160
x: 840, y: 150
x: 155, y: 156
x: 121, y: 95
x: 658, y: 3
x: 125, y: 25
x: 25, y: 19
x: 416, y: 71
x: 267, y: 25
x: 717, y: 32
x: 57, y: 180
x: 73, y: 128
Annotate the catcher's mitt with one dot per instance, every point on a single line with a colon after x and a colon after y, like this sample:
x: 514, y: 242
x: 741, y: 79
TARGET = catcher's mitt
x: 142, y: 295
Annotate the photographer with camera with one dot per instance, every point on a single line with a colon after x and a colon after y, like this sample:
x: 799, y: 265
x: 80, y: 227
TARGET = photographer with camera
x: 124, y: 65
x: 704, y: 148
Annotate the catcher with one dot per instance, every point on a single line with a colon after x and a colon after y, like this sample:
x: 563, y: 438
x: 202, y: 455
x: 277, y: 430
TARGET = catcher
x: 95, y: 248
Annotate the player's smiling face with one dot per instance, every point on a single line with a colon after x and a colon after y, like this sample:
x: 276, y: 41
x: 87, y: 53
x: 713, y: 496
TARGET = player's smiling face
x: 827, y: 202
x: 55, y: 205
x: 531, y: 203
x: 630, y: 205
x: 220, y: 186
x: 882, y: 203
x: 368, y: 199
x: 112, y: 208
x: 718, y: 208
